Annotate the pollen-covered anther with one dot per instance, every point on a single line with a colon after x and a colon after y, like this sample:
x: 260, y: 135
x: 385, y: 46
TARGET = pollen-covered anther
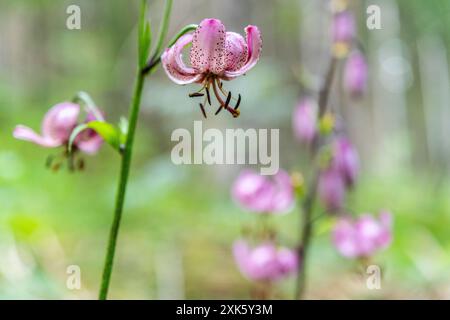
x: 203, y: 110
x: 196, y: 94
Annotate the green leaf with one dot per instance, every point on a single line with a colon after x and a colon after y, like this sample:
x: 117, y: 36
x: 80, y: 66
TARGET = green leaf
x: 111, y: 134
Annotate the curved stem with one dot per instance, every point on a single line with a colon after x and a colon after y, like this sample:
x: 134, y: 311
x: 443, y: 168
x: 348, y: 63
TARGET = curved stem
x: 307, y: 205
x: 121, y: 189
x: 156, y: 58
x: 163, y: 29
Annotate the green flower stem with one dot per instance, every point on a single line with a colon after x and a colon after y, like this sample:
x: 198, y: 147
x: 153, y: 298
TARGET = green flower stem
x: 144, y: 41
x: 163, y: 29
x: 122, y: 186
x: 307, y: 204
x: 156, y: 59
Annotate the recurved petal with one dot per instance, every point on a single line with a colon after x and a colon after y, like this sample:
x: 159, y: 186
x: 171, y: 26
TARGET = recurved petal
x: 59, y: 121
x: 89, y: 142
x: 208, y: 47
x: 236, y: 51
x: 24, y: 133
x: 177, y: 71
x: 254, y: 45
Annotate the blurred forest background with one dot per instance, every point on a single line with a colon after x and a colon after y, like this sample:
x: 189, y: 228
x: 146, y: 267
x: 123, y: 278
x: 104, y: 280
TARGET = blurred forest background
x: 180, y: 222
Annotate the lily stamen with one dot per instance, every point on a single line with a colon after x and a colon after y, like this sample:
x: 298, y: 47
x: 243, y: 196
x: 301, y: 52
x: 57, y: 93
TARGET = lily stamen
x: 223, y: 104
x: 203, y: 110
x: 196, y: 94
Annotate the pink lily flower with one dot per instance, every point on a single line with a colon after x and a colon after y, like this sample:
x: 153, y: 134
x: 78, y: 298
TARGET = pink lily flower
x: 331, y: 189
x: 305, y: 121
x: 343, y: 28
x: 264, y: 262
x: 215, y: 55
x: 355, y: 74
x: 260, y: 194
x: 57, y: 126
x: 346, y: 160
x: 364, y: 236
x: 343, y: 33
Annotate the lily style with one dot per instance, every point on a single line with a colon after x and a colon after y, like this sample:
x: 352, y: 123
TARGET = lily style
x: 215, y: 55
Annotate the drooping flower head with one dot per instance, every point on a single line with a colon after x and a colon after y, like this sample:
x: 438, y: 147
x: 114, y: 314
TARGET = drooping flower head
x: 57, y: 126
x: 343, y: 31
x: 364, y: 236
x: 355, y: 74
x: 265, y: 261
x: 261, y: 194
x: 215, y: 55
x: 331, y: 189
x: 305, y: 120
x: 345, y: 160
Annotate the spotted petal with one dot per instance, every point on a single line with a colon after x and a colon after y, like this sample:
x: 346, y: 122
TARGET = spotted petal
x: 254, y: 45
x: 236, y: 51
x: 208, y: 47
x: 173, y: 63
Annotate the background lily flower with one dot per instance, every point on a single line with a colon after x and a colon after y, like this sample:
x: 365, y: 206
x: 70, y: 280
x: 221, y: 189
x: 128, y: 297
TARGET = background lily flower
x: 215, y: 55
x: 305, y: 120
x: 364, y: 236
x: 355, y: 74
x: 264, y: 262
x: 261, y: 194
x: 343, y: 31
x: 57, y: 126
x: 346, y: 160
x: 331, y: 189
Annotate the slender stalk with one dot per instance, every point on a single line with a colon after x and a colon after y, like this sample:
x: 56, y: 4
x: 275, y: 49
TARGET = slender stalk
x: 144, y: 41
x: 307, y: 205
x: 163, y: 30
x: 122, y: 186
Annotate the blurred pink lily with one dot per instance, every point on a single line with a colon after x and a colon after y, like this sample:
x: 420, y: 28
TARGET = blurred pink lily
x: 57, y: 126
x: 355, y: 74
x: 363, y: 236
x: 346, y: 160
x: 343, y: 32
x: 260, y: 194
x: 215, y: 55
x: 264, y: 262
x: 305, y: 120
x: 331, y: 189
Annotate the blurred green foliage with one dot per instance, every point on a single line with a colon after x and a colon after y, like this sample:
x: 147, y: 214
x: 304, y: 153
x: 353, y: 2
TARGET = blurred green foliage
x: 51, y: 220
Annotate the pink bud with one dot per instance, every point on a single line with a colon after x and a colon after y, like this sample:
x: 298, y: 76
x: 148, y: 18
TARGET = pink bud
x: 343, y: 27
x: 265, y: 261
x: 331, y: 189
x: 346, y: 160
x: 364, y: 236
x: 305, y: 120
x: 262, y: 194
x: 355, y: 74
